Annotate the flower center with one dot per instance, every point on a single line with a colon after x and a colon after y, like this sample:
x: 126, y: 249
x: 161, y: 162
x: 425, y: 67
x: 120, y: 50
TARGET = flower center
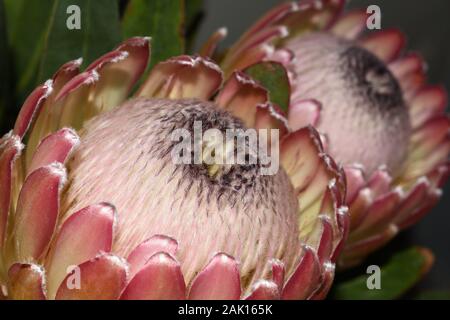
x: 126, y: 158
x: 364, y: 115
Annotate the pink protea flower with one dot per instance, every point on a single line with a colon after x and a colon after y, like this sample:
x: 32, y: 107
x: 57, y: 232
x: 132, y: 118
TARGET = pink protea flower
x: 370, y: 102
x: 89, y: 189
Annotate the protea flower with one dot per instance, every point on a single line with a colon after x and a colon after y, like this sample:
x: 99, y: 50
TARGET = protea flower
x: 370, y: 102
x: 89, y: 190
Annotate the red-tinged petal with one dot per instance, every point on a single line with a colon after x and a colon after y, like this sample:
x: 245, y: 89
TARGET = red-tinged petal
x: 234, y: 61
x: 438, y: 177
x: 3, y: 292
x: 269, y: 116
x: 343, y: 218
x: 299, y: 156
x: 429, y: 162
x: 82, y: 237
x: 138, y: 49
x: 114, y: 75
x: 37, y: 212
x: 240, y: 96
x: 303, y: 113
x: 305, y: 279
x: 419, y: 213
x: 332, y: 200
x: 57, y: 147
x: 326, y: 240
x: 135, y: 62
x: 355, y: 181
x: 327, y: 282
x: 380, y: 182
x: 142, y: 253
x: 31, y: 108
x: 386, y: 44
x: 428, y: 103
x: 410, y: 63
x: 314, y: 15
x: 257, y: 43
x: 110, y: 57
x: 102, y: 278
x: 247, y: 58
x: 429, y: 137
x: 26, y: 282
x: 160, y: 279
x: 10, y: 150
x: 415, y: 198
x: 66, y: 72
x: 113, y: 82
x: 326, y: 176
x: 85, y: 78
x: 412, y: 83
x: 46, y: 121
x: 119, y: 71
x: 350, y: 25
x: 209, y: 47
x: 355, y: 251
x: 219, y: 280
x: 264, y: 290
x: 261, y: 37
x: 325, y: 191
x: 183, y: 77
x: 380, y: 213
x: 283, y: 56
x: 272, y: 17
x: 278, y: 273
x: 74, y: 105
x: 359, y: 207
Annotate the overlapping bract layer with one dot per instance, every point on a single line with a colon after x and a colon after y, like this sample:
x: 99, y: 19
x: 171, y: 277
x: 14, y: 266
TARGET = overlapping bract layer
x: 380, y: 203
x: 47, y: 255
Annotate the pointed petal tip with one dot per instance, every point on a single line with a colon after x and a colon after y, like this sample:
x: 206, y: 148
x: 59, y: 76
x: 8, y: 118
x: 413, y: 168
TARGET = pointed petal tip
x: 86, y: 78
x: 27, y: 282
x: 264, y: 290
x: 144, y: 251
x: 220, y: 279
x: 159, y: 279
x: 102, y: 278
x: 183, y: 77
x: 56, y: 147
x: 135, y: 42
x: 31, y: 108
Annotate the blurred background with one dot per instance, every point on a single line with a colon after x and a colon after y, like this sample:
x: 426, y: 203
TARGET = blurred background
x: 427, y: 26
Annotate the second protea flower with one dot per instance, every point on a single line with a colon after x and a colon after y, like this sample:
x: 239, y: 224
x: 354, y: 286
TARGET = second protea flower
x: 371, y: 104
x: 103, y: 199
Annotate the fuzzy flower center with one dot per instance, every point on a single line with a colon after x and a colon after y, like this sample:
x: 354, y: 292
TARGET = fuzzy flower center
x: 364, y: 115
x: 126, y: 158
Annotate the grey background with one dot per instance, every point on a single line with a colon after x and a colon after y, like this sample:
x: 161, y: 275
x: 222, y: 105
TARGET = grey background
x: 427, y: 26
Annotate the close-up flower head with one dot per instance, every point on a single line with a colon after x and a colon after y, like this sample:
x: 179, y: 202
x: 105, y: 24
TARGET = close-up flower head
x: 278, y: 162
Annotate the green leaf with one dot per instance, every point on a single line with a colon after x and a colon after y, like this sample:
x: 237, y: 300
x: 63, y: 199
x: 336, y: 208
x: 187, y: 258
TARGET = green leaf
x: 434, y: 295
x: 6, y: 99
x: 194, y: 13
x: 27, y: 22
x: 99, y: 33
x: 163, y: 20
x: 273, y: 77
x: 398, y: 275
x: 41, y: 40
